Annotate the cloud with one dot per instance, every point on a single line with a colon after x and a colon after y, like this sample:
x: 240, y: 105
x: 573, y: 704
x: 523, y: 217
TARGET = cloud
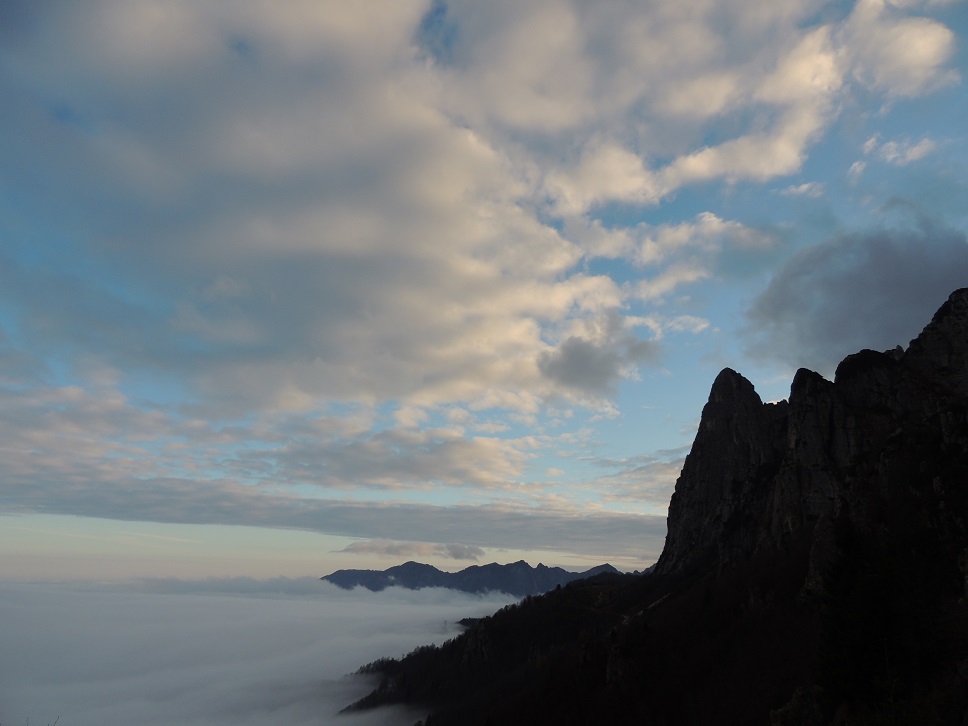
x: 641, y: 87
x: 855, y: 171
x: 379, y: 215
x: 395, y: 459
x: 676, y: 255
x: 874, y: 289
x: 368, y: 222
x: 899, y: 153
x: 801, y: 91
x: 593, y: 364
x: 644, y: 483
x: 807, y: 189
x: 416, y: 549
x: 604, y: 174
x: 254, y: 257
x: 461, y: 552
x: 702, y: 239
x: 512, y: 523
x: 702, y: 97
x: 203, y: 654
x: 655, y: 288
x: 899, y: 54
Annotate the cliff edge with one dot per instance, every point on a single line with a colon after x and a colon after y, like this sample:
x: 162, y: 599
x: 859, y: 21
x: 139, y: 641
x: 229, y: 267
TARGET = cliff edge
x: 880, y: 450
x: 815, y: 572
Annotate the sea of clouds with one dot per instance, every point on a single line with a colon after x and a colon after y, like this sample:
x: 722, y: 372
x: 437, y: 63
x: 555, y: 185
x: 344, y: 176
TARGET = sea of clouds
x: 241, y: 652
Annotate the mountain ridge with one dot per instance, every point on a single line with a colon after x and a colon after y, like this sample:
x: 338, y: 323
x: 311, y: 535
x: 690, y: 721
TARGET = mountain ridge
x: 517, y: 578
x: 815, y: 572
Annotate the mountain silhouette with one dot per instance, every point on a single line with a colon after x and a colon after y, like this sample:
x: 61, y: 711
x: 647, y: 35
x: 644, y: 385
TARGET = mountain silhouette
x: 815, y: 572
x: 518, y: 578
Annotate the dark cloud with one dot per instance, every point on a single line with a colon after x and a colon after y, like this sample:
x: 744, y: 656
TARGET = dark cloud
x: 594, y: 367
x: 581, y: 364
x: 416, y: 549
x: 218, y: 653
x: 873, y: 289
x: 461, y: 552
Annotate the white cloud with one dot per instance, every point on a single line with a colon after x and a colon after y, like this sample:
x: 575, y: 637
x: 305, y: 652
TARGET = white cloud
x: 703, y: 97
x: 522, y: 66
x: 706, y: 235
x: 856, y: 170
x: 801, y: 90
x: 667, y: 281
x: 688, y: 323
x: 758, y: 156
x: 901, y: 152
x: 597, y: 240
x: 209, y: 653
x: 904, y: 152
x: 644, y: 483
x: 607, y: 173
x: 811, y: 70
x: 378, y: 221
x: 896, y: 53
x: 675, y: 255
x: 807, y: 189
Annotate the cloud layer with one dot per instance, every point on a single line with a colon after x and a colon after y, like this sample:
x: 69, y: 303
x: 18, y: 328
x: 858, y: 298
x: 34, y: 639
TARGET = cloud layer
x: 343, y: 267
x: 206, y: 654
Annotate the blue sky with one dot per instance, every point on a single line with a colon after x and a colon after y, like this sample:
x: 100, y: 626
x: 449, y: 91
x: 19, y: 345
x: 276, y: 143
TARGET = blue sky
x: 288, y: 287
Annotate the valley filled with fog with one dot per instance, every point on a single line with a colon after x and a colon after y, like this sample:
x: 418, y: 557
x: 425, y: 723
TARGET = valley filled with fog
x: 240, y: 651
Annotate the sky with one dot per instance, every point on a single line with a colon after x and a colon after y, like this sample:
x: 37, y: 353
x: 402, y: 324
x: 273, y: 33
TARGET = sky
x: 289, y: 287
x: 224, y: 652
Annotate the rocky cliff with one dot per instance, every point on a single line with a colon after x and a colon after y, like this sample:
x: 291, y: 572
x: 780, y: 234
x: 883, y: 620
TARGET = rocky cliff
x: 815, y: 572
x: 881, y: 450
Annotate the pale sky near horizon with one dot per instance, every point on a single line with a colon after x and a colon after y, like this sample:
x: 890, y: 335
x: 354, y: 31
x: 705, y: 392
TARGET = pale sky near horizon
x: 287, y: 287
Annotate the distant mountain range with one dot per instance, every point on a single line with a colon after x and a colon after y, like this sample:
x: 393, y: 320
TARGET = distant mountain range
x: 518, y: 578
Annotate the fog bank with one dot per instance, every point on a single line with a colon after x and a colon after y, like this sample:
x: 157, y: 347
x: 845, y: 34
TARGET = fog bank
x: 241, y: 652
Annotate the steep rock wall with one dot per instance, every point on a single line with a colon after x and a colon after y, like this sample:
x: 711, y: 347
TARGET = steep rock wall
x: 879, y: 451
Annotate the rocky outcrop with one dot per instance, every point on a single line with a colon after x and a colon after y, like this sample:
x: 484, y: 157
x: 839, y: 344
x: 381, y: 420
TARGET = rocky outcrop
x: 879, y: 451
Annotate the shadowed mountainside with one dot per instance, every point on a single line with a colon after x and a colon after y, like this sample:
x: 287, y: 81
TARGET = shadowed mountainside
x: 815, y: 572
x: 518, y: 578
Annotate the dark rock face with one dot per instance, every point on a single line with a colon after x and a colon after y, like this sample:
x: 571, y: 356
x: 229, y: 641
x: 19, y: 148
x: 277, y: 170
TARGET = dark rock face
x: 518, y: 578
x: 815, y: 571
x: 736, y: 450
x: 886, y: 439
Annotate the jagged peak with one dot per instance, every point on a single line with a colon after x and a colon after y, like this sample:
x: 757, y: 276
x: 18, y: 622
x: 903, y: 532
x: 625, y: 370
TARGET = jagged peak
x: 942, y: 347
x: 949, y: 322
x: 806, y: 381
x: 863, y: 361
x: 730, y: 386
x: 954, y: 307
x: 758, y: 475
